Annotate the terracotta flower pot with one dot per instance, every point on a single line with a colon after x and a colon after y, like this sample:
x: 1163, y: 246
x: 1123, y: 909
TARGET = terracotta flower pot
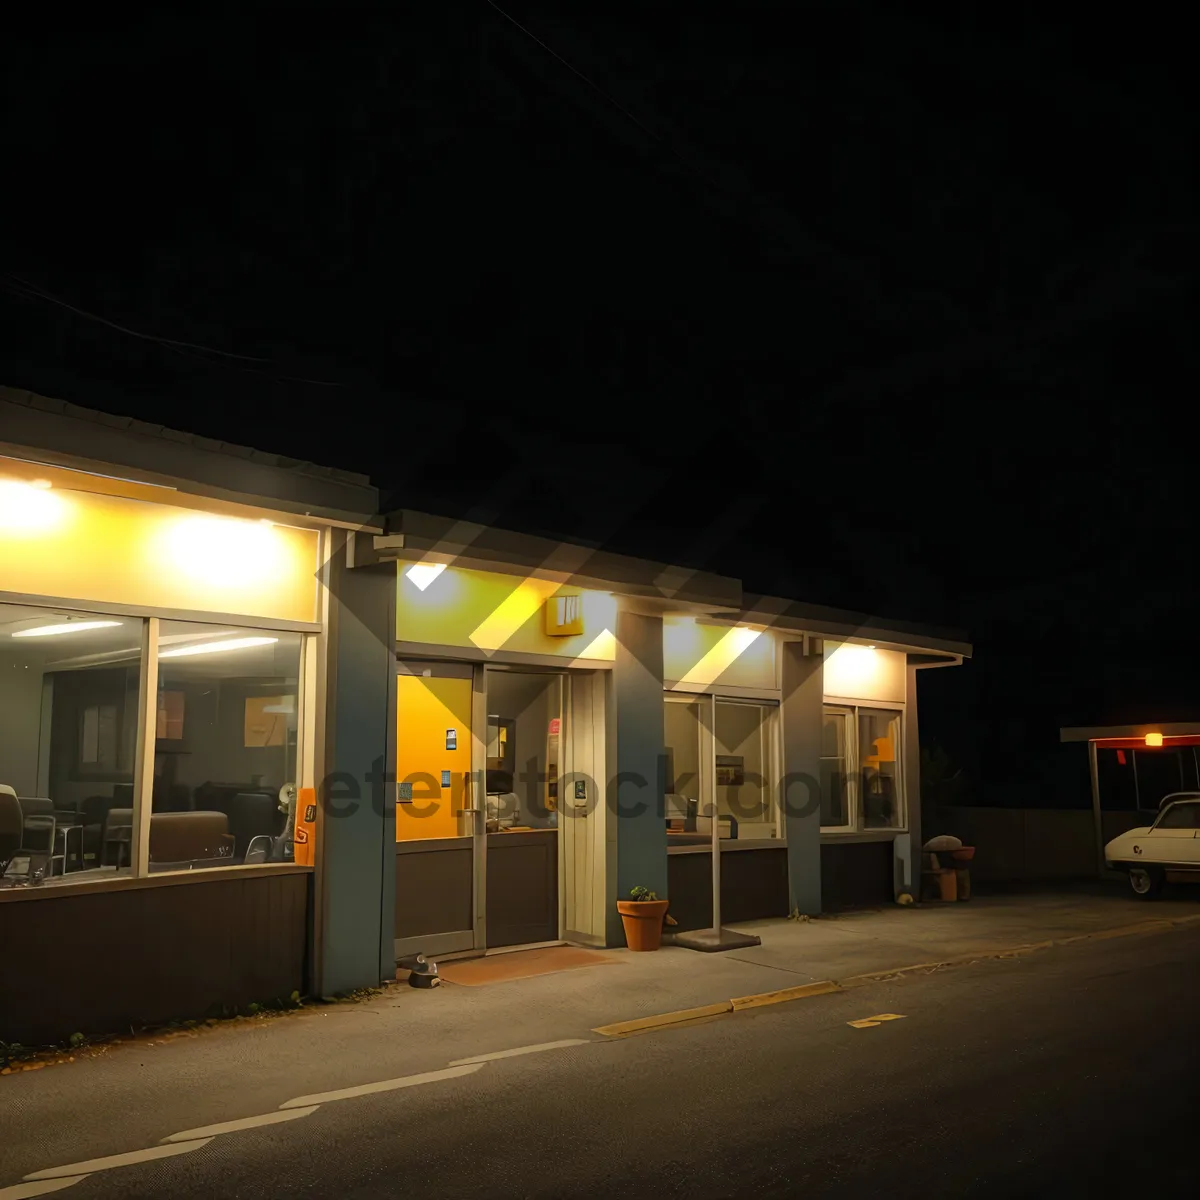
x: 643, y: 921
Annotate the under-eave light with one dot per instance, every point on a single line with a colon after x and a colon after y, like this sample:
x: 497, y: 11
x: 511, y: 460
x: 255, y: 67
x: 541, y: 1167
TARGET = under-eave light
x: 69, y: 627
x: 423, y: 574
x: 217, y: 647
x: 1154, y: 739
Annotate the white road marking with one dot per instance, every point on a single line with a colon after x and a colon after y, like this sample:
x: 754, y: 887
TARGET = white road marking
x: 112, y: 1161
x: 209, y: 1131
x: 26, y: 1191
x: 384, y: 1085
x: 482, y: 1058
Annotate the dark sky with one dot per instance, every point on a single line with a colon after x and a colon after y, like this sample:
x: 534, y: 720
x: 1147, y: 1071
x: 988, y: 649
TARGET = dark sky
x: 917, y: 292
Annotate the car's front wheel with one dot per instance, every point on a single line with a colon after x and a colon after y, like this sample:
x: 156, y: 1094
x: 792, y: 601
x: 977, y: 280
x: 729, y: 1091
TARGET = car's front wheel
x: 1146, y: 882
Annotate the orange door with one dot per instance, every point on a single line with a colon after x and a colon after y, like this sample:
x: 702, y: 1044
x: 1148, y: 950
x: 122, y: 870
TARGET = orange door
x: 433, y: 756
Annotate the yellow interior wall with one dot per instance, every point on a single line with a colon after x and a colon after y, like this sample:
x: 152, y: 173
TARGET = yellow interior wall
x: 425, y: 708
x: 117, y: 550
x: 702, y: 655
x: 488, y: 611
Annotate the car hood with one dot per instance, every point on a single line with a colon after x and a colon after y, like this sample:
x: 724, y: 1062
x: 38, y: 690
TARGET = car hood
x: 1128, y: 835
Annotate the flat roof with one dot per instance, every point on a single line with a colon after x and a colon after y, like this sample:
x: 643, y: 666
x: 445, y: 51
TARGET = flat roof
x: 65, y: 434
x: 471, y: 544
x: 1095, y: 733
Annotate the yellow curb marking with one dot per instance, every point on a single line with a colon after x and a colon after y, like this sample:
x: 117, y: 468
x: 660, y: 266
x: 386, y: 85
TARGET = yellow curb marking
x: 878, y: 1019
x: 826, y: 986
x: 785, y: 994
x: 621, y: 1028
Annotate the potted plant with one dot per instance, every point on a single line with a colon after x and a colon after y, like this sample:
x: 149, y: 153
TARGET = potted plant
x: 642, y: 915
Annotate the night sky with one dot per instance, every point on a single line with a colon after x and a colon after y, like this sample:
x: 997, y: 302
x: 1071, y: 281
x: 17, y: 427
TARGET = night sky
x: 887, y: 311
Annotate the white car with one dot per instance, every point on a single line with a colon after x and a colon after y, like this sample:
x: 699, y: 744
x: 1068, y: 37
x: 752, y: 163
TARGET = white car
x: 1170, y: 845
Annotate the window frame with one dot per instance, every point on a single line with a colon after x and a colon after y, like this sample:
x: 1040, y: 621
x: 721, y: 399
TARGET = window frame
x: 309, y: 689
x: 852, y: 711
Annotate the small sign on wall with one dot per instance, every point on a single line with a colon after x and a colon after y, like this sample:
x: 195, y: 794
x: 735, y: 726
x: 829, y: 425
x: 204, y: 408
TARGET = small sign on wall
x: 451, y: 739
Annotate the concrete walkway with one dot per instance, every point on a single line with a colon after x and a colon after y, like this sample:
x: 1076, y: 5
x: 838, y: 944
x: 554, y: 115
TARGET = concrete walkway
x: 135, y: 1093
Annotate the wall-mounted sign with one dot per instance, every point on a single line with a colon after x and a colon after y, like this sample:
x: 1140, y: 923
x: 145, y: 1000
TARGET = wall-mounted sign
x: 445, y: 779
x: 555, y: 726
x: 580, y: 789
x: 564, y: 613
x: 403, y: 792
x: 451, y: 739
x: 730, y: 770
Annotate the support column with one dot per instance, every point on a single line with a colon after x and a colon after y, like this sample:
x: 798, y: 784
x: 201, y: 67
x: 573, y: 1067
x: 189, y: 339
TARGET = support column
x: 636, y: 825
x: 355, y: 865
x: 801, y: 716
x: 908, y: 846
x: 1097, y: 817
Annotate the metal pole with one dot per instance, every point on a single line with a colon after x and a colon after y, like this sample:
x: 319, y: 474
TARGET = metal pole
x: 1098, y: 820
x: 1137, y: 795
x: 716, y: 815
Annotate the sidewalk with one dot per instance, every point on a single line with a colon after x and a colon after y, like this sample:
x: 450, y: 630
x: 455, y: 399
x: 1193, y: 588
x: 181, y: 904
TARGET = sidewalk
x: 135, y: 1093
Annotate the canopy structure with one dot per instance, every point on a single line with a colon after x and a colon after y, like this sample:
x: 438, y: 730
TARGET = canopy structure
x: 1135, y: 739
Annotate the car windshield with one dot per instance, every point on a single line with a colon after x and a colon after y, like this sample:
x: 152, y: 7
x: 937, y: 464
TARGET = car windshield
x: 1180, y: 816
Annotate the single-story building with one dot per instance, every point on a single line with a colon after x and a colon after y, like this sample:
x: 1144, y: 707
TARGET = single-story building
x: 257, y: 738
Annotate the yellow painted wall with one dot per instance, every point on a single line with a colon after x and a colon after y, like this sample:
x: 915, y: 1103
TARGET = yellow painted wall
x: 113, y: 549
x: 425, y: 708
x: 860, y: 673
x: 487, y: 611
x: 704, y: 655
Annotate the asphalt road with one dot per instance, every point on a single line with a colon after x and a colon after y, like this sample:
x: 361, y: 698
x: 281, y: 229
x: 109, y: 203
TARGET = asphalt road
x: 1071, y: 1070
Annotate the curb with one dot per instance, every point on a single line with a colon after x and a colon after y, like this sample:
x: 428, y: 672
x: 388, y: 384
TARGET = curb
x: 825, y: 987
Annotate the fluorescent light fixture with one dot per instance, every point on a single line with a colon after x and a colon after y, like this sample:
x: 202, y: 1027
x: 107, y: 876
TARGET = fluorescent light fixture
x: 69, y: 627
x: 423, y: 574
x: 217, y: 647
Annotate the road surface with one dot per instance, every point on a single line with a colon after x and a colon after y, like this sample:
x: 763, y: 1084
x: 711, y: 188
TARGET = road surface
x: 1068, y: 1071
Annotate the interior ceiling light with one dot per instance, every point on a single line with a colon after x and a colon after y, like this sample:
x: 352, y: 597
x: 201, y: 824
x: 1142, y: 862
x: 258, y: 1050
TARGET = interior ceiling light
x: 1154, y: 739
x: 217, y: 647
x: 423, y: 574
x: 69, y: 627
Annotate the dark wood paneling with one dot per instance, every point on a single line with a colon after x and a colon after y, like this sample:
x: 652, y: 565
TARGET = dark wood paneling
x: 433, y: 890
x: 522, y: 888
x: 857, y: 874
x: 754, y: 886
x: 101, y: 961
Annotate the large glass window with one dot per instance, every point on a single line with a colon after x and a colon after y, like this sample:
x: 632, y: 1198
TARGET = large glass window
x: 226, y: 729
x: 861, y: 780
x: 723, y: 748
x: 835, y: 799
x: 69, y: 696
x: 743, y: 768
x: 879, y: 768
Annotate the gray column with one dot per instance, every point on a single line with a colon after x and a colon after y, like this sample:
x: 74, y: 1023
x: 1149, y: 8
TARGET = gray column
x: 356, y: 891
x: 801, y: 715
x: 908, y: 873
x: 636, y: 818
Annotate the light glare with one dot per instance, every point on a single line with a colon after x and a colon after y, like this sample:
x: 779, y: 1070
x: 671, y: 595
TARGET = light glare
x: 69, y: 627
x: 217, y: 647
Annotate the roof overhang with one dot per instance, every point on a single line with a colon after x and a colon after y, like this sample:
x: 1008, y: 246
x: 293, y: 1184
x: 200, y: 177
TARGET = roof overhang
x: 413, y: 535
x: 924, y: 645
x: 55, y: 433
x: 1178, y: 733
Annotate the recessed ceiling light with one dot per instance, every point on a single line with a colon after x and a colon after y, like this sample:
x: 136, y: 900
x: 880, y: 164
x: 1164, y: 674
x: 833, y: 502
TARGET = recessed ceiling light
x: 216, y: 647
x: 69, y: 627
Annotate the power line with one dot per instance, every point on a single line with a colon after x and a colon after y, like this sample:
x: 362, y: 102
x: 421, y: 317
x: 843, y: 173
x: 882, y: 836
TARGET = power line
x: 188, y: 349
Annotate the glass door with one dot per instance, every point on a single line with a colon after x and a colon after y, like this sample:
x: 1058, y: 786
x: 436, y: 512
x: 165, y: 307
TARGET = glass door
x: 439, y: 814
x: 524, y: 741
